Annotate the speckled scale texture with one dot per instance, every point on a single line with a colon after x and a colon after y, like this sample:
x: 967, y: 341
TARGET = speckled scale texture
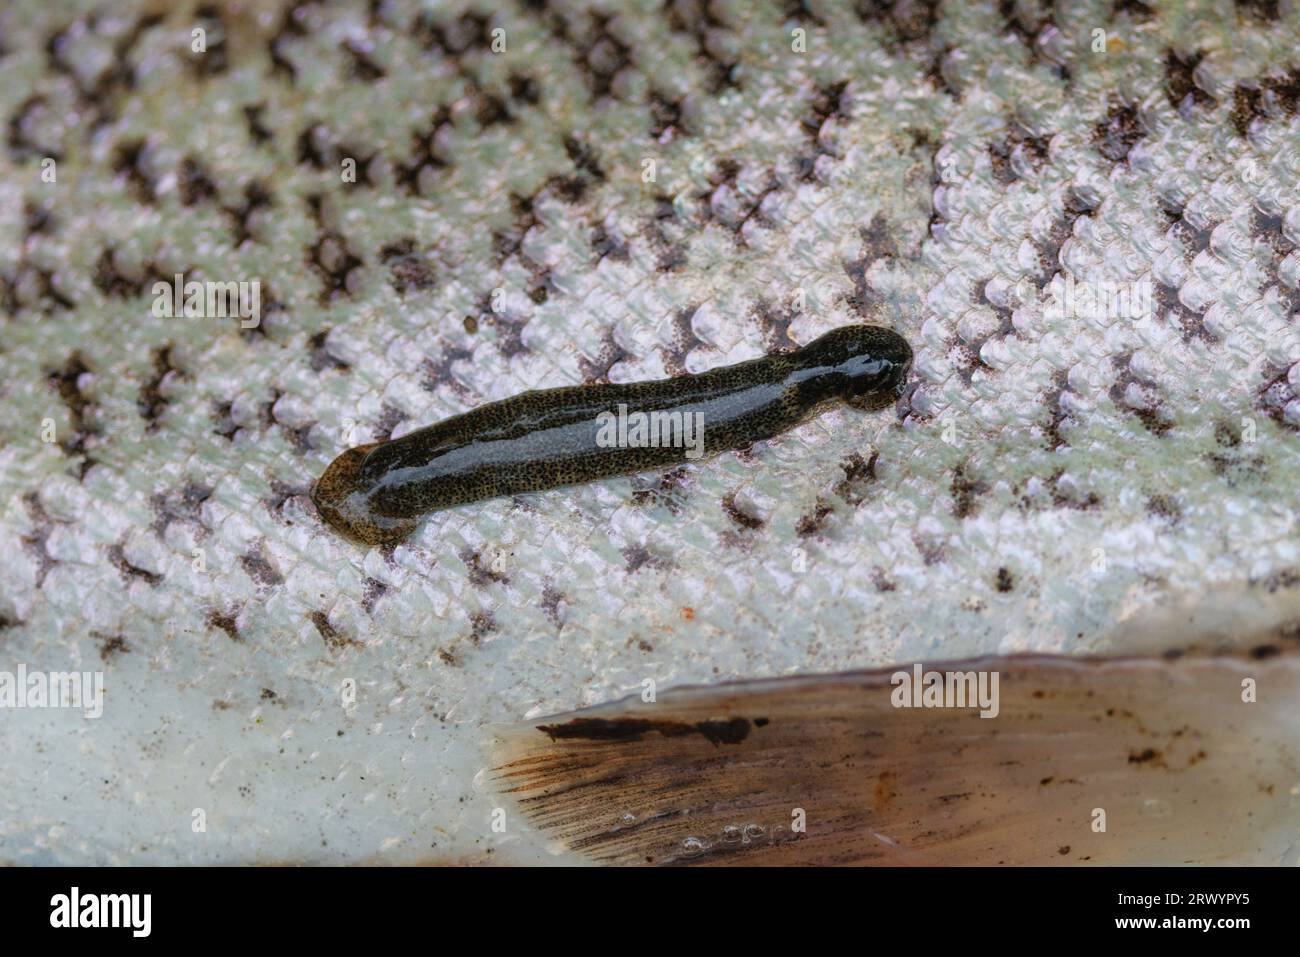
x: 626, y: 192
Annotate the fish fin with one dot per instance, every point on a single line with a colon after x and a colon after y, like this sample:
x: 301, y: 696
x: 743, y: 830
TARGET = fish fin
x: 1147, y: 760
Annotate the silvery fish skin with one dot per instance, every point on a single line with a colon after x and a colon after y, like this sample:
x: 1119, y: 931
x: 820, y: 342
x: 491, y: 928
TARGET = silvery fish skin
x: 642, y: 194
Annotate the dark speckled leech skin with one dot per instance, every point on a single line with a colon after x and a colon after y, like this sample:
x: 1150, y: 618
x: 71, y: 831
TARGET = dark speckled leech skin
x: 375, y: 494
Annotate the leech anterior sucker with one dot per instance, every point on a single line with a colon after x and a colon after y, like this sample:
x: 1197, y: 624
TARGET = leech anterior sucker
x: 376, y: 493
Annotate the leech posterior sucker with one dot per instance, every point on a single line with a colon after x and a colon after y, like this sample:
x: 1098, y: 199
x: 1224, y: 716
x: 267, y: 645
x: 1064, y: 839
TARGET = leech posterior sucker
x: 375, y: 494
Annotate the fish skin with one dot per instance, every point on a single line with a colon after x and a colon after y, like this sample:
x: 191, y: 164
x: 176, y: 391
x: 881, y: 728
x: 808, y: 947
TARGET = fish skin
x: 1048, y: 480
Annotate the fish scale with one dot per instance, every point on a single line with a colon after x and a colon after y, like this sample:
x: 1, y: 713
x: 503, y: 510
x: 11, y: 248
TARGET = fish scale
x: 1111, y: 468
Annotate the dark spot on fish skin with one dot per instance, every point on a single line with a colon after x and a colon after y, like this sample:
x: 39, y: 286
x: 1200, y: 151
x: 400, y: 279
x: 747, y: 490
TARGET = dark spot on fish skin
x: 858, y: 474
x: 1275, y: 394
x: 637, y: 557
x: 117, y: 556
x: 184, y: 505
x: 1195, y: 238
x: 225, y: 623
x: 1226, y: 435
x: 965, y: 492
x: 315, y: 146
x: 607, y: 245
x: 481, y: 575
x: 911, y: 20
x: 321, y: 357
x: 611, y: 353
x: 626, y: 730
x: 21, y: 146
x: 815, y: 521
x: 1018, y: 143
x: 1063, y: 850
x: 334, y: 640
x: 407, y: 269
x: 1118, y: 133
x: 152, y: 402
x: 1270, y: 96
x: 881, y: 581
x: 1153, y: 418
x: 827, y: 107
x: 268, y: 695
x: 281, y: 492
x: 256, y: 199
x: 670, y: 253
x: 257, y: 568
x: 684, y: 340
x: 38, y: 219
x: 775, y: 324
x: 1286, y: 578
x: 665, y: 117
x: 1260, y: 652
x: 932, y: 552
x: 864, y: 299
x: 434, y: 374
x: 194, y: 183
x: 333, y: 261
x: 510, y: 334
x: 665, y: 492
x: 290, y: 26
x: 66, y: 381
x: 256, y: 128
x: 111, y: 646
x: 481, y: 625
x: 446, y: 657
x: 509, y: 241
x: 1049, y: 247
x: 221, y: 705
x: 1267, y: 10
x: 1180, y: 80
x: 737, y: 515
x: 1005, y: 582
x: 362, y: 65
x: 374, y: 590
x: 584, y: 158
x: 701, y: 22
x: 1166, y: 507
x: 35, y: 542
x: 551, y: 604
x: 126, y: 164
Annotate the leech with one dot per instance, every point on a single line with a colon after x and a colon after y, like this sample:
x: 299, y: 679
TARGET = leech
x: 375, y: 494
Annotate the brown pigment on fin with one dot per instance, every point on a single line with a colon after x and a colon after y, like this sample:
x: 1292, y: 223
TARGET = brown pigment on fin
x: 729, y: 731
x: 1184, y: 770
